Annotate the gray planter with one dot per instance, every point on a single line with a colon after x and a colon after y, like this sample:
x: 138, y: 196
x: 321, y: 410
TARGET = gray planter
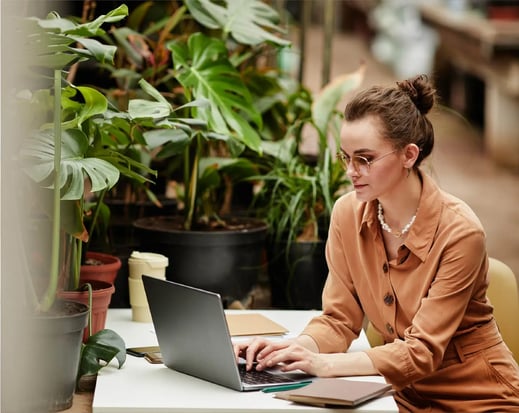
x: 54, y: 356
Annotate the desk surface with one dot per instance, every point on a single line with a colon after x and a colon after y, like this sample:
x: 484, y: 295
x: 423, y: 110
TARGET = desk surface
x: 143, y: 387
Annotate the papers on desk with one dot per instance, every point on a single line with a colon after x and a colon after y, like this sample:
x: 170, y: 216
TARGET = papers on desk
x: 330, y: 392
x: 246, y: 324
x: 251, y: 324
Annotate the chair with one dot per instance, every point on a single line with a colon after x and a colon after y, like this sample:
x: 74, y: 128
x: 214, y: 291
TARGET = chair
x: 374, y: 337
x: 504, y: 296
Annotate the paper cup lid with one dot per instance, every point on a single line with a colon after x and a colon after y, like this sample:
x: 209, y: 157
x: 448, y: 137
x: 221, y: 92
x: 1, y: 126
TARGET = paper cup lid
x: 152, y: 258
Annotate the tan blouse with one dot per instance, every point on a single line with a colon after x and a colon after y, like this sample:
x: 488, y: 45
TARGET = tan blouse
x: 434, y: 290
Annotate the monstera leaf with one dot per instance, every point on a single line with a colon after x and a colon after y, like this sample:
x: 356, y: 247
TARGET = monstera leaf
x: 324, y: 106
x: 38, y: 153
x: 248, y: 22
x: 204, y: 69
x: 99, y: 350
x: 52, y: 40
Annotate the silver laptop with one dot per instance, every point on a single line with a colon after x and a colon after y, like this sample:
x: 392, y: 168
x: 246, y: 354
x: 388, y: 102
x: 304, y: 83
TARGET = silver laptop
x: 194, y: 338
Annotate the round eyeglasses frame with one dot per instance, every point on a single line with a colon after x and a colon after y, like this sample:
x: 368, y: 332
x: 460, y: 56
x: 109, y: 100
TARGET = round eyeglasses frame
x: 360, y: 163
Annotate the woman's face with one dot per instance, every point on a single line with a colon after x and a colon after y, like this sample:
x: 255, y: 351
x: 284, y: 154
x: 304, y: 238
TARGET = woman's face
x: 384, y: 170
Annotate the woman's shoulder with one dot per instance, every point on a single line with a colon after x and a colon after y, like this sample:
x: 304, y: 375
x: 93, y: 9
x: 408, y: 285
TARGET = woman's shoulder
x: 456, y: 208
x: 452, y: 208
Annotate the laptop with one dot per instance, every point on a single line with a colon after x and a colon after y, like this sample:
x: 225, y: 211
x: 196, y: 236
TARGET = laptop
x: 194, y: 338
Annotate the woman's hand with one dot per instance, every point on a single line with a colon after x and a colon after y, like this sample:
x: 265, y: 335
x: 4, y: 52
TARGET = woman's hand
x: 255, y: 350
x: 302, y: 354
x: 289, y: 354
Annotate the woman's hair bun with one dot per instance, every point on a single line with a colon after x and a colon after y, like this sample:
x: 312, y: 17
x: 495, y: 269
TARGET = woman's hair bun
x: 421, y: 92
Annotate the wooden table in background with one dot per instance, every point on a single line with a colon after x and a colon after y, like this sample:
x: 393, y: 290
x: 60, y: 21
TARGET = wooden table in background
x: 489, y: 50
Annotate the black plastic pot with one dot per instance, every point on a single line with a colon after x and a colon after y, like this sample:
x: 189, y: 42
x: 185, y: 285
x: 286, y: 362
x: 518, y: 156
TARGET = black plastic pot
x: 228, y: 262
x: 297, y: 278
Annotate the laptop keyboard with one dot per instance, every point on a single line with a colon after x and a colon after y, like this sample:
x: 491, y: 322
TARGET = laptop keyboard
x: 260, y: 377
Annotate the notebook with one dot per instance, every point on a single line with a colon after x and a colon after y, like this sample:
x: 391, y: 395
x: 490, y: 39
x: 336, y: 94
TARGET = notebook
x: 334, y: 392
x: 194, y: 338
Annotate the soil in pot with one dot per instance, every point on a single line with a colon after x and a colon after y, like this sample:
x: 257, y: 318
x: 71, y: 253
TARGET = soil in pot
x: 100, y: 267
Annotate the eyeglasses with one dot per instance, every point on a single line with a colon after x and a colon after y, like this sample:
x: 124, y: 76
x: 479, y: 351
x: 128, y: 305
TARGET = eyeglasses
x: 360, y: 163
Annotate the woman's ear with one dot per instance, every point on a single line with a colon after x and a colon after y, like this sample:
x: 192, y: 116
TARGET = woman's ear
x: 411, y: 152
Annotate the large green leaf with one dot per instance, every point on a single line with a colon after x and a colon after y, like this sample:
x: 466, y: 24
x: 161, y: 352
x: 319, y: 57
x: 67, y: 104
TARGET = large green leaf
x: 99, y: 350
x: 157, y: 109
x: 91, y: 103
x: 241, y: 168
x: 141, y: 108
x: 325, y: 104
x: 176, y: 138
x: 88, y: 29
x: 50, y: 45
x: 204, y: 68
x: 250, y: 22
x: 92, y: 49
x: 284, y: 149
x: 38, y: 153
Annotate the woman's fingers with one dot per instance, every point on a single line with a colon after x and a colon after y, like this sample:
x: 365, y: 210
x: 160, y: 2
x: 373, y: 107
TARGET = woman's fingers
x: 291, y: 357
x: 252, y: 350
x: 239, y: 349
x: 249, y: 350
x: 273, y: 354
x: 267, y: 353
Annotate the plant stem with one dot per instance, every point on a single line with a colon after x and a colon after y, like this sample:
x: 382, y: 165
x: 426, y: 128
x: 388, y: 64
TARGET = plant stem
x: 192, y: 187
x: 76, y: 264
x: 50, y: 294
x: 89, y: 288
x: 95, y: 217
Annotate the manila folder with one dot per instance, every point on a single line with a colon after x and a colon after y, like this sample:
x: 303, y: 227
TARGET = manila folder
x: 251, y: 324
x: 335, y: 392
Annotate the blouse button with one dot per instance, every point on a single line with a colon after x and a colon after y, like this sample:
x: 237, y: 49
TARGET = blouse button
x: 388, y: 299
x: 389, y: 328
x: 385, y: 267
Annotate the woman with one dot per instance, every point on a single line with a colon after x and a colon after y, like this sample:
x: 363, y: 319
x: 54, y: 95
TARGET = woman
x: 412, y: 259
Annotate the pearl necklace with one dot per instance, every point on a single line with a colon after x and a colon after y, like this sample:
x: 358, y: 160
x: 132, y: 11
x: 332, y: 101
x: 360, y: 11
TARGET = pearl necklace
x: 387, y: 228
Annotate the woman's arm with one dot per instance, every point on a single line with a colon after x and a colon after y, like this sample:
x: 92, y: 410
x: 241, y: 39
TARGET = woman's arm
x: 302, y: 354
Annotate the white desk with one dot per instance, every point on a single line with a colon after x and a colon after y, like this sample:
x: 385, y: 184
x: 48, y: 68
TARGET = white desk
x: 141, y: 387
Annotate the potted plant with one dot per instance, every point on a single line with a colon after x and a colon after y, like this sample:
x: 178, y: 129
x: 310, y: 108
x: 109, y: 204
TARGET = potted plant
x: 203, y: 125
x: 59, y: 155
x: 297, y: 195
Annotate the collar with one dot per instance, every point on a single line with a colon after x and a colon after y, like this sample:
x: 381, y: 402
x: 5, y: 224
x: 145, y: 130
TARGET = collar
x: 421, y: 235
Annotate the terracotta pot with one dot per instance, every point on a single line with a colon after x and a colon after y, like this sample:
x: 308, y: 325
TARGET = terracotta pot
x: 104, y: 267
x: 101, y: 296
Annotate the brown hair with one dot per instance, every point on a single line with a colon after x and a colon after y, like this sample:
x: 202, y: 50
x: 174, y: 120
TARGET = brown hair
x: 401, y: 111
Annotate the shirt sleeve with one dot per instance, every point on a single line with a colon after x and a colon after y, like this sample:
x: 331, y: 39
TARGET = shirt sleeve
x: 342, y: 317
